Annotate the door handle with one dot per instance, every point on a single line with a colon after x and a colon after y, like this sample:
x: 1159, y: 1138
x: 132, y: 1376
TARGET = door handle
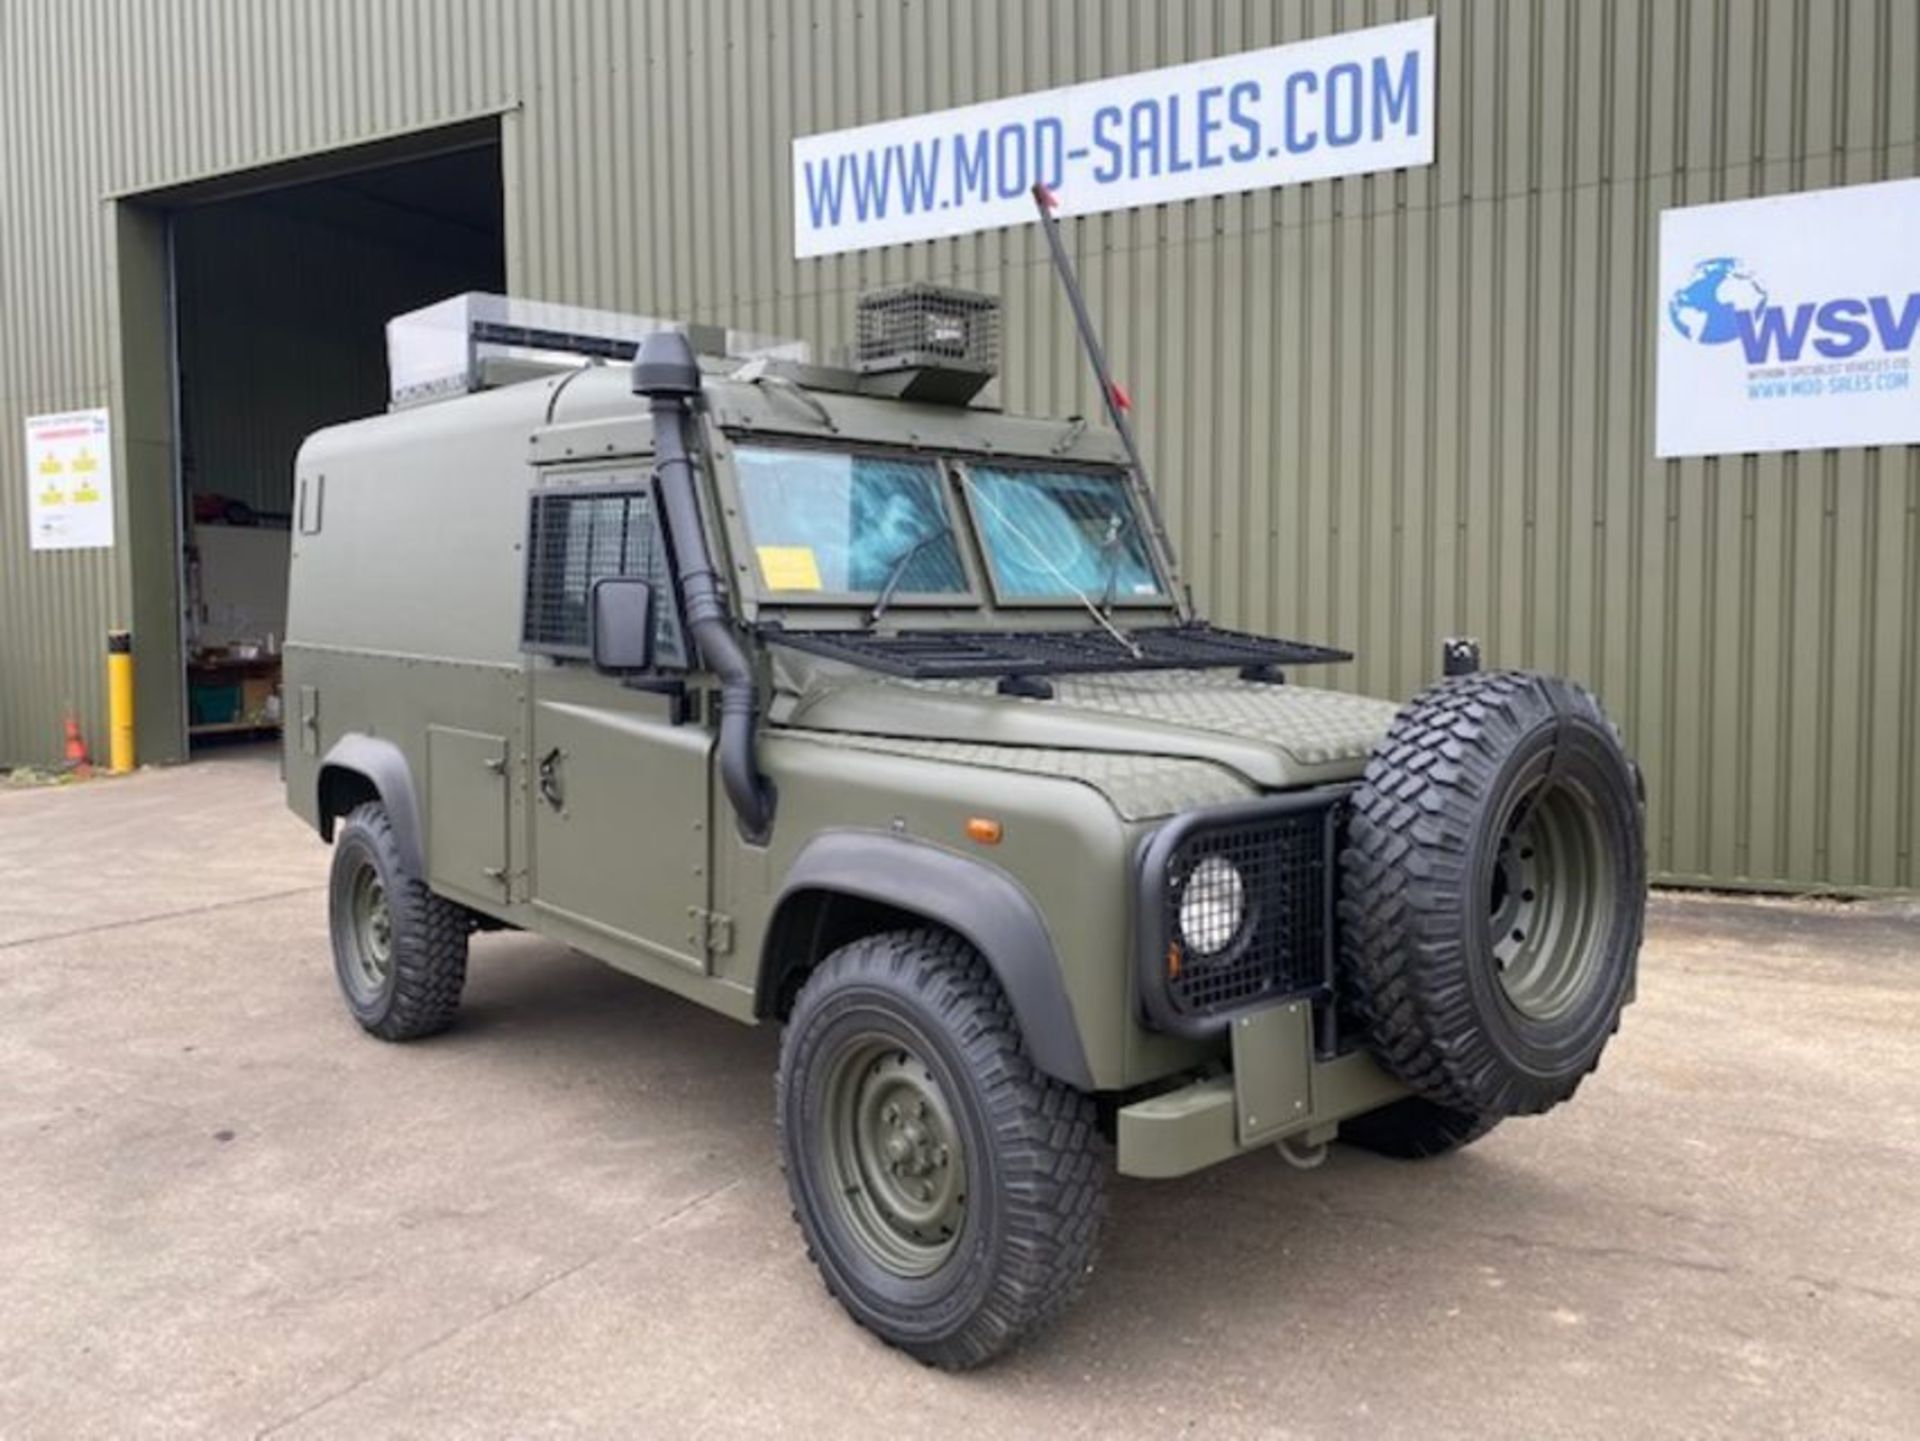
x: 551, y: 790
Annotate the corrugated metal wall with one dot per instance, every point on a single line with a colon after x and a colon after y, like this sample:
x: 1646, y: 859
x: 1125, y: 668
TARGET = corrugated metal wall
x: 104, y: 97
x: 1380, y: 409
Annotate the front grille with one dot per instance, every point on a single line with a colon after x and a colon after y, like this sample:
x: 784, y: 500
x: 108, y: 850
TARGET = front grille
x: 1271, y: 863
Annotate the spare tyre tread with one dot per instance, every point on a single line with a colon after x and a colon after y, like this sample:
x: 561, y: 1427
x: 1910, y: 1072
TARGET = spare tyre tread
x: 1409, y: 833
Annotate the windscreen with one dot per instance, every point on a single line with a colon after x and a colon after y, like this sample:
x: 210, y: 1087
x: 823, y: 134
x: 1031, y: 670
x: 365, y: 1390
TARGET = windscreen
x: 829, y: 523
x: 1061, y: 535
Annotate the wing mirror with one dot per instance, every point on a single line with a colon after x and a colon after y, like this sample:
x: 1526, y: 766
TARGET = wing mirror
x: 620, y: 624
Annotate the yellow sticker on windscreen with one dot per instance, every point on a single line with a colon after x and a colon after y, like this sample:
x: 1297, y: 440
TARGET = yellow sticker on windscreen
x: 789, y: 567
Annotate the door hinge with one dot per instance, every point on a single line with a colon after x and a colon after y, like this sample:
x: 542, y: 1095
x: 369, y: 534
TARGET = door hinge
x: 710, y: 930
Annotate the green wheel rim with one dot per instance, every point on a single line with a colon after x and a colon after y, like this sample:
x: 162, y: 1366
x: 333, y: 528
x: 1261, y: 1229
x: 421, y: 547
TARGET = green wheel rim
x: 895, y: 1164
x: 370, y: 926
x: 1551, y: 895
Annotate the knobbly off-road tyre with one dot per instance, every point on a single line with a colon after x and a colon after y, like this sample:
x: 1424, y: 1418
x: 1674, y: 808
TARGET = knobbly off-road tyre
x: 950, y: 1194
x: 1493, y: 895
x: 399, y: 951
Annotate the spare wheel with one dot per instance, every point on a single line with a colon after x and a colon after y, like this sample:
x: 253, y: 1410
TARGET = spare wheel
x: 1493, y: 892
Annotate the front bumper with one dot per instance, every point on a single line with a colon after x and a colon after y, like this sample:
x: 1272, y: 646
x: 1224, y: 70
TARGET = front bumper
x: 1277, y: 1090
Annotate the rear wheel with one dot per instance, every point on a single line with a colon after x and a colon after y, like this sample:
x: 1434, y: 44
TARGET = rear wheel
x: 399, y: 951
x: 949, y: 1193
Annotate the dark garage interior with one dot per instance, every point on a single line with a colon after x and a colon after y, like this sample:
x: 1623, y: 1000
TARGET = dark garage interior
x: 281, y: 297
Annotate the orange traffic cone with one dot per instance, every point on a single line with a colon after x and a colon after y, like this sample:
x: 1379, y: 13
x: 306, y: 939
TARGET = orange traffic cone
x: 77, y: 756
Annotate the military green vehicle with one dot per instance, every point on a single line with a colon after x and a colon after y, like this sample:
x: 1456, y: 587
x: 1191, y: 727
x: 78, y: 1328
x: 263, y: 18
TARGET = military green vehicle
x: 839, y: 700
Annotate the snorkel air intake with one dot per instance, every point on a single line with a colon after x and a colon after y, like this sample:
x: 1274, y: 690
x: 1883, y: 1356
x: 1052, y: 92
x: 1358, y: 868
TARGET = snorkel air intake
x: 665, y: 372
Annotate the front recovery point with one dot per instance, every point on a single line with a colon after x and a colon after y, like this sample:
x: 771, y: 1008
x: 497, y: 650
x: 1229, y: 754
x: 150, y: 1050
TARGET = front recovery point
x: 1278, y: 1090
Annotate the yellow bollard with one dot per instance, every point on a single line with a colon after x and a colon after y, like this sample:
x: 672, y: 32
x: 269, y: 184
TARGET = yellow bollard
x: 120, y: 701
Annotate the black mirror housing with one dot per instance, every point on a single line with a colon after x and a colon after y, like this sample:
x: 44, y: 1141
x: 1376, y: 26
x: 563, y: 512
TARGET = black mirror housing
x: 620, y: 624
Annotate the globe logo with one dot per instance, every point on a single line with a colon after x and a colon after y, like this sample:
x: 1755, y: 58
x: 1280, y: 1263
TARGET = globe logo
x: 1707, y: 309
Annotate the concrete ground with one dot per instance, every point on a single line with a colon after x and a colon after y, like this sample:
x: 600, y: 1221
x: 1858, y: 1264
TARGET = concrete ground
x: 225, y: 1211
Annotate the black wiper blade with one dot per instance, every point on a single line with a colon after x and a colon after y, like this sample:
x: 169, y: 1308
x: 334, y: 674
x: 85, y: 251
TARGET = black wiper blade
x: 898, y: 570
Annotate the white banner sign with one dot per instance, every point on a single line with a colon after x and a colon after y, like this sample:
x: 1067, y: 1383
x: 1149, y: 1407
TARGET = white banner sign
x: 1343, y: 105
x: 1790, y: 323
x: 70, y: 481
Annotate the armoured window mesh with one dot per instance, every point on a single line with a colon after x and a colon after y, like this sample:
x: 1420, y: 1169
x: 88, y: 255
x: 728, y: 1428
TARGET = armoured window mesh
x: 577, y: 539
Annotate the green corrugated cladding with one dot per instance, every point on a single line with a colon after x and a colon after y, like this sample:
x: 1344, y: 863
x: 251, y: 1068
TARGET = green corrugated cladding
x: 1379, y: 410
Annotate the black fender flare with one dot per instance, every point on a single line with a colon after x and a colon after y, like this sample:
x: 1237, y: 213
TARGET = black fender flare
x: 382, y: 765
x: 979, y: 902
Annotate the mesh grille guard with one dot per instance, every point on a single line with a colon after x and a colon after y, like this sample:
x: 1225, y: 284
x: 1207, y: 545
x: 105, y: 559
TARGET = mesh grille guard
x: 1285, y: 851
x: 955, y: 655
x: 922, y: 324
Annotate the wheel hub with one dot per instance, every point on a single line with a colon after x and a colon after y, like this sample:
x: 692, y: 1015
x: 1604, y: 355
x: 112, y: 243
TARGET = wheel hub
x: 1516, y: 897
x: 1550, y: 890
x: 892, y: 1141
x: 372, y: 930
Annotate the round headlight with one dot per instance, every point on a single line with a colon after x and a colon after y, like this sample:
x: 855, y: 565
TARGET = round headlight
x: 1212, y: 905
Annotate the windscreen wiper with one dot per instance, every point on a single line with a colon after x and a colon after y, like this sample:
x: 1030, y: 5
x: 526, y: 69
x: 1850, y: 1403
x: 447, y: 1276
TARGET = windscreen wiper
x: 1112, y: 393
x: 1039, y: 554
x: 898, y: 570
x: 1118, y: 525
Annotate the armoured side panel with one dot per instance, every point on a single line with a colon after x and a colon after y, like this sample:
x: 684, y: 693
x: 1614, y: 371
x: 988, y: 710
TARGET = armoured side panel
x: 466, y: 804
x: 620, y: 823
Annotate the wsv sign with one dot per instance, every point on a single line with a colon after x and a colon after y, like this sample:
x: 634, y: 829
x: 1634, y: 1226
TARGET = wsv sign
x: 1710, y: 309
x: 1798, y: 329
x: 1838, y: 326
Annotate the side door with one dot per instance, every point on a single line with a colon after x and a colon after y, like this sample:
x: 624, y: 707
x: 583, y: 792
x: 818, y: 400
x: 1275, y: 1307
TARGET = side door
x: 619, y: 791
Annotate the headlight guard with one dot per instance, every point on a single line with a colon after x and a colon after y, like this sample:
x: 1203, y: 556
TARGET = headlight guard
x: 1237, y: 908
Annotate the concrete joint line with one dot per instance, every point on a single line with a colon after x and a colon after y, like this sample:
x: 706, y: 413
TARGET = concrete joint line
x: 460, y: 1328
x: 132, y: 921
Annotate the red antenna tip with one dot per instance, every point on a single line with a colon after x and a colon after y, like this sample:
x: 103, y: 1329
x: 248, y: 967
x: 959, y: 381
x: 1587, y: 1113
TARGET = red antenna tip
x: 1045, y: 196
x: 1120, y: 396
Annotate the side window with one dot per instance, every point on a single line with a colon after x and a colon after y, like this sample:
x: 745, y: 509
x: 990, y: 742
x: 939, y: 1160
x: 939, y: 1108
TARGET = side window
x: 575, y: 538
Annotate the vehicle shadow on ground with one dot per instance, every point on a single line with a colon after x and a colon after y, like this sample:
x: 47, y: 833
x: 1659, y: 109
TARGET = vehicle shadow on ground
x: 1254, y: 1242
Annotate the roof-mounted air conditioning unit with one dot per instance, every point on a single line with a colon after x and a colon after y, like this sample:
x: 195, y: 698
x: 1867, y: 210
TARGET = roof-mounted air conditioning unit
x: 477, y: 341
x: 943, y: 343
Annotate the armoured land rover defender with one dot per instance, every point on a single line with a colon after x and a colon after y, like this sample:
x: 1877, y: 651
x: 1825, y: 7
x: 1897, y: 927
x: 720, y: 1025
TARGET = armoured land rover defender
x: 835, y: 699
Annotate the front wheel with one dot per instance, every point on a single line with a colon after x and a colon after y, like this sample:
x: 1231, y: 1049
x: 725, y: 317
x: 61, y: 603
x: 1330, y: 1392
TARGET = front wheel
x: 949, y: 1193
